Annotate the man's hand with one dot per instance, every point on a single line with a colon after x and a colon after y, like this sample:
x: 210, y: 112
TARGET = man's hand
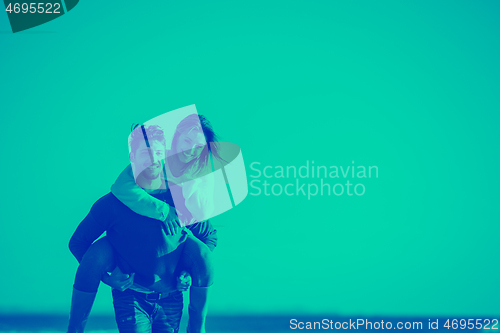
x: 184, y: 281
x: 118, y: 280
x: 171, y: 222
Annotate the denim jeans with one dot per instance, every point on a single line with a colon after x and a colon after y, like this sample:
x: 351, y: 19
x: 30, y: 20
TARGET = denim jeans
x: 136, y: 312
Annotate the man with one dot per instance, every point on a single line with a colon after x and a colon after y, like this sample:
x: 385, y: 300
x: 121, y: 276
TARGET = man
x: 147, y: 252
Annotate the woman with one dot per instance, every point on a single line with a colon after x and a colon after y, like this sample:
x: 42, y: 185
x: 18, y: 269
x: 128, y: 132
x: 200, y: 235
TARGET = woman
x: 186, y: 163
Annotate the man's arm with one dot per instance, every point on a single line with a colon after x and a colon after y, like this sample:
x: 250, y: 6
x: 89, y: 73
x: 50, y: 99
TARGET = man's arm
x: 205, y: 232
x: 92, y: 226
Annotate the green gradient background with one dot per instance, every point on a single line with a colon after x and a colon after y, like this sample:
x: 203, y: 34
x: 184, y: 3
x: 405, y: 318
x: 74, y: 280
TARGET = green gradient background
x: 410, y: 87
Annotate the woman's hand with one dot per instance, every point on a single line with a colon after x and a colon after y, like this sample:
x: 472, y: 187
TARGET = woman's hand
x: 184, y: 281
x: 118, y: 280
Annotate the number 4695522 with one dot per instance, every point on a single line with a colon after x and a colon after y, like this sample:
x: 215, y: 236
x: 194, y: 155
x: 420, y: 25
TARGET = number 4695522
x: 47, y: 8
x: 472, y: 324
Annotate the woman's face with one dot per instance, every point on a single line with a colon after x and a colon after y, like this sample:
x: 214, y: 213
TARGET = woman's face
x: 190, y: 145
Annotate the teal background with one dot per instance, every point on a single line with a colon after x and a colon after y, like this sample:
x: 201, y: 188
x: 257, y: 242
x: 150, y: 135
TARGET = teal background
x: 411, y: 87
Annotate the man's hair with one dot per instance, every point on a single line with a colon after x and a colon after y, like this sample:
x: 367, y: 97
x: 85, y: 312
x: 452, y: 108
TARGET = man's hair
x: 141, y: 133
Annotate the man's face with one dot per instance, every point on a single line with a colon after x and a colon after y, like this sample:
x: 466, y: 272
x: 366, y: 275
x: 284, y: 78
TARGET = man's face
x: 190, y: 145
x: 142, y: 159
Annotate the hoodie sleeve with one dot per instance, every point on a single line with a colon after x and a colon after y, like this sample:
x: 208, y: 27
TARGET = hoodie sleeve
x: 136, y: 198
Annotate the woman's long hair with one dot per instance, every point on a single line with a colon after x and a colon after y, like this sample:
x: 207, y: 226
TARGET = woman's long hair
x: 193, y: 121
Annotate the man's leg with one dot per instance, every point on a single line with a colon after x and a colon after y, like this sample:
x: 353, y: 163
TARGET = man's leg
x: 168, y: 317
x: 133, y: 313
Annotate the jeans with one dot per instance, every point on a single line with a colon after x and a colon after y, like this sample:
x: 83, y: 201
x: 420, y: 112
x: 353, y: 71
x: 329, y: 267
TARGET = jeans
x: 136, y: 312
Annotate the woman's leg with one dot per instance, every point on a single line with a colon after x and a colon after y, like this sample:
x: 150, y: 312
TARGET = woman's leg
x: 98, y: 260
x: 196, y: 258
